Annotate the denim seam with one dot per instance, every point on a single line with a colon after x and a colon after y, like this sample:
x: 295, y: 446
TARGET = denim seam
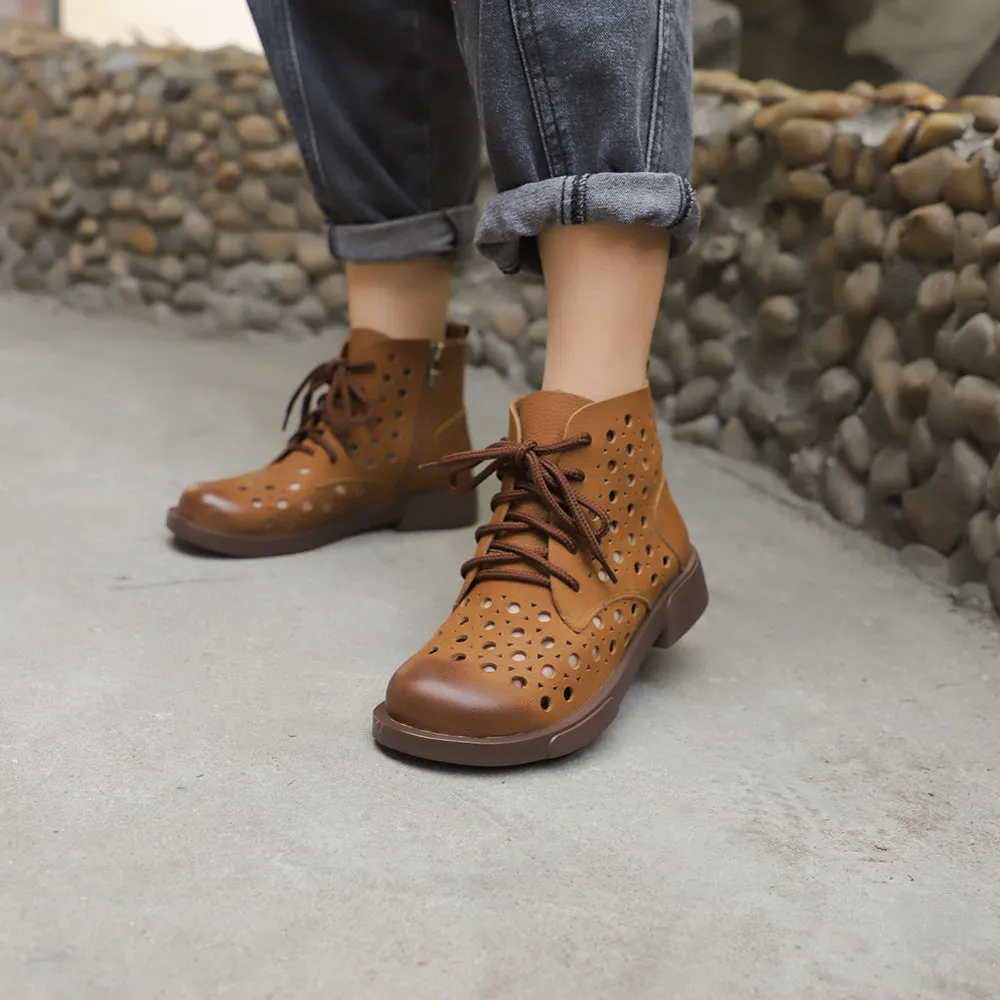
x: 312, y: 153
x: 546, y: 120
x: 579, y: 200
x: 688, y: 201
x: 653, y: 135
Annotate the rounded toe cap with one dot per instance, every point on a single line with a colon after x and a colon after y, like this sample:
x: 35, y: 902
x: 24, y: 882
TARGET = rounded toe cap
x: 442, y: 696
x: 208, y: 506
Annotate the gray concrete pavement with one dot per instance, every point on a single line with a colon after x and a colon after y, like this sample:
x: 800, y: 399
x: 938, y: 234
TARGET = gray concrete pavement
x: 800, y: 801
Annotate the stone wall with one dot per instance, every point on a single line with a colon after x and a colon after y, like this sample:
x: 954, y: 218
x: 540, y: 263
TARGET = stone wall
x: 837, y: 318
x: 161, y: 181
x: 829, y: 43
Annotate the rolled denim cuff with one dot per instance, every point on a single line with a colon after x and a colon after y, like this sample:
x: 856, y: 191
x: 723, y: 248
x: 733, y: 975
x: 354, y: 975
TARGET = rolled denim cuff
x: 446, y: 233
x: 512, y: 220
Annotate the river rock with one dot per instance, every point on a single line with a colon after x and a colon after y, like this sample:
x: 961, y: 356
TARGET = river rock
x: 845, y: 226
x: 805, y: 475
x: 975, y: 348
x: 992, y: 488
x: 982, y: 534
x: 735, y: 442
x: 312, y: 251
x: 939, y: 509
x: 837, y: 393
x: 844, y: 496
x: 258, y: 131
x: 970, y: 471
x: 759, y: 412
x: 897, y: 142
x: 786, y: 274
x: 989, y: 248
x: 778, y: 318
x: 714, y: 358
x: 901, y: 281
x: 803, y: 141
x: 866, y: 169
x: 832, y: 343
x: 921, y: 181
x: 703, y: 431
x: 660, y: 377
x: 808, y: 186
x: 880, y: 344
x: 717, y: 251
x: 695, y: 399
x: 890, y: 473
x: 332, y: 291
x: 938, y: 129
x: 968, y: 187
x: 970, y: 232
x: 928, y: 234
x: 861, y: 291
x: 709, y: 317
x: 944, y: 416
x: 923, y: 450
x: 936, y: 297
x: 993, y: 581
x: 885, y: 404
x: 272, y: 246
x: 915, y: 383
x: 872, y: 232
x: 971, y: 292
x: 199, y: 229
x: 843, y: 156
x: 854, y: 444
x: 978, y: 403
x: 829, y: 104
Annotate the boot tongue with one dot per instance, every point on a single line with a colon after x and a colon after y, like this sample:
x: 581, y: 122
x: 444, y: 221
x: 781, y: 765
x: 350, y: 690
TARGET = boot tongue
x: 544, y: 415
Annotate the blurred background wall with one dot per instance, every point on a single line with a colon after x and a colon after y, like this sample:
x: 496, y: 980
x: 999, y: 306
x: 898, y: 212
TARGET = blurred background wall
x: 199, y: 23
x: 952, y: 46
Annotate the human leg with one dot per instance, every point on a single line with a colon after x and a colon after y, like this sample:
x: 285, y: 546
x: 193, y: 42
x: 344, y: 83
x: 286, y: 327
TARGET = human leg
x: 586, y: 563
x: 380, y: 105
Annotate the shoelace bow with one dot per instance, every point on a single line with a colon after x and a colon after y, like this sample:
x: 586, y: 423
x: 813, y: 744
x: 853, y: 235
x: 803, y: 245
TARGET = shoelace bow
x: 533, y: 476
x: 343, y: 405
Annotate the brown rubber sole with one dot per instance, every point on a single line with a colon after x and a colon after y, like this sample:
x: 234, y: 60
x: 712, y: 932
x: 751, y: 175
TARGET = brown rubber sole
x: 676, y: 610
x: 435, y: 511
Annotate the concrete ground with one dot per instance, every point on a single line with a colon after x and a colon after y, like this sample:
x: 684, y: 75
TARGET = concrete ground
x: 800, y: 801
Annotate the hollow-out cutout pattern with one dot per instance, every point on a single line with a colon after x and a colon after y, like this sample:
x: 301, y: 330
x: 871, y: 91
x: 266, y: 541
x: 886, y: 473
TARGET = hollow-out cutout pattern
x: 515, y: 642
x: 625, y: 480
x: 382, y: 446
x: 303, y: 490
x: 511, y: 639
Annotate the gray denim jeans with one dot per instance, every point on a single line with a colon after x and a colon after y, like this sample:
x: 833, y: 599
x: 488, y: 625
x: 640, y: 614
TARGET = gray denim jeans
x: 585, y: 106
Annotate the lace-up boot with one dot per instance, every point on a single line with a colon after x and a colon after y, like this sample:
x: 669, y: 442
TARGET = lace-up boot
x: 584, y: 567
x: 370, y: 421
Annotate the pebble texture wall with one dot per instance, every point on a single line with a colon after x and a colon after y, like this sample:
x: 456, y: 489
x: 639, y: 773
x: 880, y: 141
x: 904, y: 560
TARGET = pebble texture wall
x: 837, y: 318
x: 158, y: 180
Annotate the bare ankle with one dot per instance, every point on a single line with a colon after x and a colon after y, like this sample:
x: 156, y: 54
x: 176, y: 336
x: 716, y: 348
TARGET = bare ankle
x: 405, y: 300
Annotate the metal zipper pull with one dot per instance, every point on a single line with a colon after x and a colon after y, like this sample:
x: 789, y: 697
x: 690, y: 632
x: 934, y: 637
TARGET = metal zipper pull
x: 434, y: 369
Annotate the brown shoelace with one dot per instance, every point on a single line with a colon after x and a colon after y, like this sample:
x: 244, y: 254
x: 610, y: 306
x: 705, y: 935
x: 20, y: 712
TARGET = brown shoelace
x: 343, y: 405
x: 534, y: 477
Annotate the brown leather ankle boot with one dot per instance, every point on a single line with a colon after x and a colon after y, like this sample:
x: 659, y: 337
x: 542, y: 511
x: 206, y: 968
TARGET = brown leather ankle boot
x: 584, y: 567
x: 387, y: 408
